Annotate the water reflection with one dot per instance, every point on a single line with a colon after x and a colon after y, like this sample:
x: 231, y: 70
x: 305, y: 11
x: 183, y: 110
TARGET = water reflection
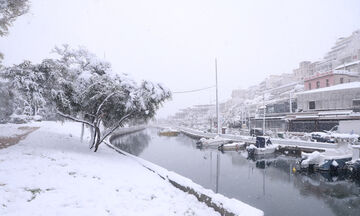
x: 217, y: 171
x: 266, y: 183
x: 341, y: 196
x: 134, y: 143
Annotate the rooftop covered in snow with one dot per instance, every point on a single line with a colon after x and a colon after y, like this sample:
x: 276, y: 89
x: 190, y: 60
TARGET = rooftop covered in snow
x: 351, y: 85
x: 347, y: 64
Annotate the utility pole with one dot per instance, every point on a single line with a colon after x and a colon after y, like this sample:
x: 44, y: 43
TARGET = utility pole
x: 217, y: 99
x: 290, y: 103
x: 264, y: 114
x: 249, y: 123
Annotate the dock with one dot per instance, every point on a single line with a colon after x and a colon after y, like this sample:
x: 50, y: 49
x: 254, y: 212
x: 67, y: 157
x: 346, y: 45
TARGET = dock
x: 286, y: 146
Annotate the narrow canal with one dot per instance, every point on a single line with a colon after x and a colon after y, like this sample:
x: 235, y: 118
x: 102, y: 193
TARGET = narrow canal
x: 268, y: 184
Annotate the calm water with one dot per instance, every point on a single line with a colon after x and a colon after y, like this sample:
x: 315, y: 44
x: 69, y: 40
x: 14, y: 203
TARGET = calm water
x: 267, y: 184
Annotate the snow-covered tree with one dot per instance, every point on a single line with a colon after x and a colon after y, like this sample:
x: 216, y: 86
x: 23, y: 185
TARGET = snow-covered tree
x: 9, y: 11
x: 90, y: 94
x: 26, y: 83
x: 6, y: 101
x: 79, y: 86
x: 58, y: 79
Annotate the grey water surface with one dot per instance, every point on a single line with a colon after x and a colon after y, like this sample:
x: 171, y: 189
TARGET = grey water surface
x: 268, y: 184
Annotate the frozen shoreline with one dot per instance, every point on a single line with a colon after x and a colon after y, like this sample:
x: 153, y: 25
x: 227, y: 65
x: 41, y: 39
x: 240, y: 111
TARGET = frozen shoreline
x: 52, y: 173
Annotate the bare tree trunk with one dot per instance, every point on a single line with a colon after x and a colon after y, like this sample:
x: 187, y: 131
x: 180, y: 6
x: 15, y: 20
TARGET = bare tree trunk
x: 82, y: 132
x: 92, y: 139
x: 98, y: 141
x: 95, y: 132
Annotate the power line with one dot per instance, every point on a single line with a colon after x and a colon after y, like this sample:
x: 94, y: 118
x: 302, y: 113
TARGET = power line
x: 194, y: 90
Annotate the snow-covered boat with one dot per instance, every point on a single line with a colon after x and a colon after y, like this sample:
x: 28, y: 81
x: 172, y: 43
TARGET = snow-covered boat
x: 262, y: 146
x: 236, y: 146
x: 252, y: 149
x: 333, y: 137
x: 316, y: 161
x: 169, y: 132
x: 330, y: 160
x: 353, y: 169
x: 212, y: 142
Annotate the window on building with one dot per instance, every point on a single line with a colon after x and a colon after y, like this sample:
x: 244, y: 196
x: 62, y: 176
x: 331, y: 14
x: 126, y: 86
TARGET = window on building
x: 356, y: 102
x: 341, y: 80
x: 356, y: 105
x: 311, y: 104
x: 310, y: 86
x: 327, y: 83
x: 318, y: 84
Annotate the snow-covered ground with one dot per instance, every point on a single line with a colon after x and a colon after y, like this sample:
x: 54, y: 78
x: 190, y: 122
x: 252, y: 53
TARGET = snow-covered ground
x: 52, y: 173
x: 10, y: 130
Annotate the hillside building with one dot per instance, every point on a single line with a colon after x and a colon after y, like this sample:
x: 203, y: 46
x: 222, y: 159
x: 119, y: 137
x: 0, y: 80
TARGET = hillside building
x: 330, y: 78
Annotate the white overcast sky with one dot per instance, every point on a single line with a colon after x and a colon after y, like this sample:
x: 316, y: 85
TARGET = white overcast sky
x: 175, y: 42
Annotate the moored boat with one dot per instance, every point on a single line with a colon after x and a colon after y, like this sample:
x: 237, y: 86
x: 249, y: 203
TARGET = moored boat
x: 262, y: 146
x: 236, y: 146
x: 353, y: 169
x: 169, y: 132
x: 212, y: 142
x: 330, y: 160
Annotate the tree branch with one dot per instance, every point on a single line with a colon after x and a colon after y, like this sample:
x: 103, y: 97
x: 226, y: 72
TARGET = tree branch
x: 103, y: 102
x: 73, y: 118
x: 116, y: 127
x: 89, y: 88
x: 86, y: 64
x: 89, y: 114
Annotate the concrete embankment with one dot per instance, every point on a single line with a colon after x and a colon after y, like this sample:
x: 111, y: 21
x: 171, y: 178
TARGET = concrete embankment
x: 218, y: 202
x: 285, y: 144
x: 125, y: 131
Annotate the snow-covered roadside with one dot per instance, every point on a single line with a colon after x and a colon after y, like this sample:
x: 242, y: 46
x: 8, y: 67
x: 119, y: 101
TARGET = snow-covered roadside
x: 52, y: 173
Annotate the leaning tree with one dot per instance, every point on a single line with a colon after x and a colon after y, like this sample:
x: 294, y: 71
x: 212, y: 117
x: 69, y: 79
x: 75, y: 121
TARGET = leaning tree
x: 91, y: 94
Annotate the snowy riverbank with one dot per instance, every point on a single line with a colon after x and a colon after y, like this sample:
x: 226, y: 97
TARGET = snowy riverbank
x: 51, y: 172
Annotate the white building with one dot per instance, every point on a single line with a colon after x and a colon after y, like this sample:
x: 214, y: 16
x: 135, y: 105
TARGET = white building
x: 344, y: 55
x: 338, y: 97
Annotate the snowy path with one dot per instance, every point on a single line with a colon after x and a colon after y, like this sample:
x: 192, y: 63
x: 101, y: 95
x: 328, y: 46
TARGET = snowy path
x: 13, y: 134
x: 52, y: 173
